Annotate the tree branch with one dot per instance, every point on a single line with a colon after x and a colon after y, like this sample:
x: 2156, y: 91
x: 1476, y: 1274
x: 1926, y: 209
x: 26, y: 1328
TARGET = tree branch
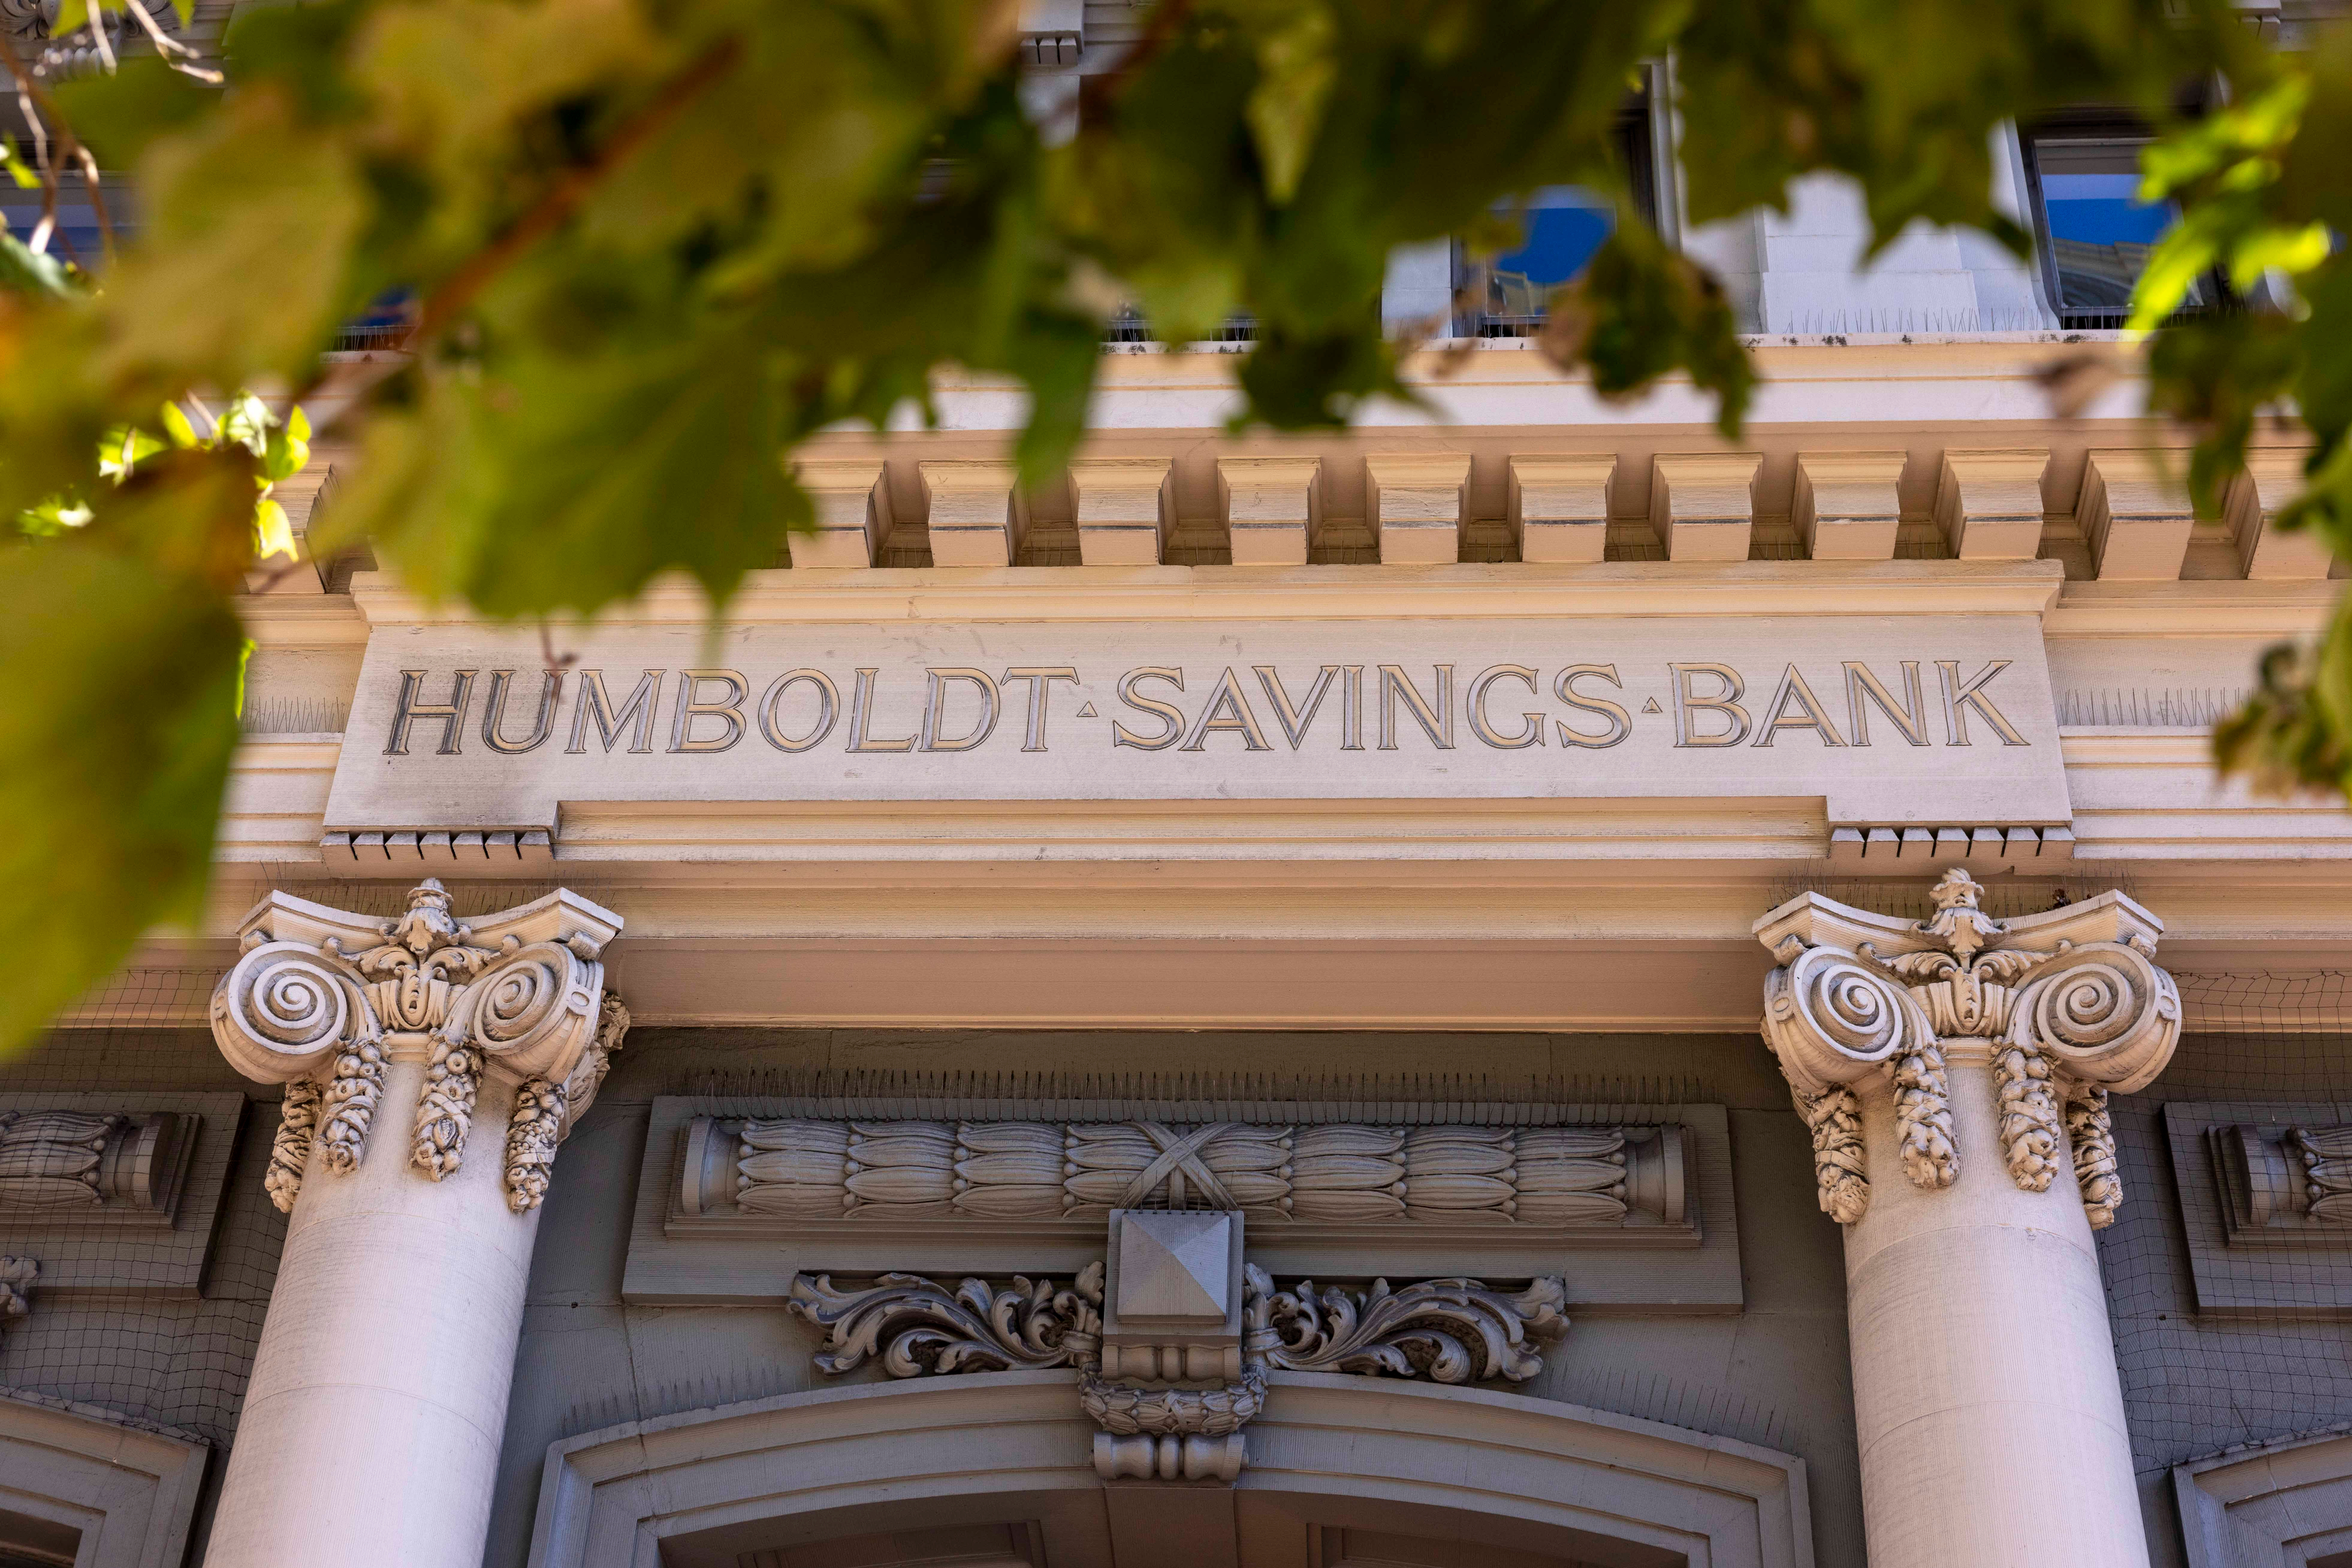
x: 565, y: 197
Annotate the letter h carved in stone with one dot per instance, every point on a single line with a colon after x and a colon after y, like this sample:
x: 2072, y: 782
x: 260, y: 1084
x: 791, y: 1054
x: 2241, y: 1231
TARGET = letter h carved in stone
x: 322, y: 999
x: 2065, y: 1006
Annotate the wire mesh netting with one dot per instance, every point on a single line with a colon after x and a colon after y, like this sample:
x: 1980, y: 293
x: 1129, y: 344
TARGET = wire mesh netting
x: 2194, y: 1385
x: 147, y: 1323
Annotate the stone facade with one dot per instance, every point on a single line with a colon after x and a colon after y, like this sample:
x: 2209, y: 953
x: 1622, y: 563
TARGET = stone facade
x: 1508, y: 985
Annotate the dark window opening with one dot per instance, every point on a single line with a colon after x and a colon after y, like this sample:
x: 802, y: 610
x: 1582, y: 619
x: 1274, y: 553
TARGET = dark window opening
x: 26, y: 1541
x: 2093, y: 232
x: 1506, y: 296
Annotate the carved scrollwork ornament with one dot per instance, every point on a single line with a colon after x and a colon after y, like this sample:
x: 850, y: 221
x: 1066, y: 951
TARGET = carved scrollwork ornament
x: 918, y: 1328
x: 2067, y: 1006
x: 1446, y: 1331
x: 1828, y: 1015
x: 16, y: 1278
x: 320, y: 999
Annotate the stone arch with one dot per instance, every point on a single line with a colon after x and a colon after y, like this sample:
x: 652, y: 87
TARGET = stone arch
x: 1550, y: 1481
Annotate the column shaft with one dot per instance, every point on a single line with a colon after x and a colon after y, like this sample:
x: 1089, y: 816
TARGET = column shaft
x: 371, y: 1428
x: 1986, y: 1398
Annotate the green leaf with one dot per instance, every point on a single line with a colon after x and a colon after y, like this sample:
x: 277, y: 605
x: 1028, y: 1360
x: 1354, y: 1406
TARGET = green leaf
x: 119, y: 115
x: 273, y: 534
x: 114, y: 751
x: 1297, y: 65
x: 569, y: 483
x: 241, y: 277
x: 21, y: 272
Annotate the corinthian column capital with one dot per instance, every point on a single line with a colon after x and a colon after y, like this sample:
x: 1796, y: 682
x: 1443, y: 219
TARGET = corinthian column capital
x: 322, y: 999
x: 2065, y: 1006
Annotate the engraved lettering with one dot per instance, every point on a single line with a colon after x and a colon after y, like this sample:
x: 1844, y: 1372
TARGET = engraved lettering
x: 637, y: 712
x: 1726, y: 702
x: 935, y: 707
x: 727, y: 709
x: 1911, y: 717
x: 1437, y: 722
x: 1475, y: 701
x: 1351, y: 714
x: 1120, y: 735
x: 551, y: 692
x: 1810, y: 716
x: 452, y: 714
x: 1960, y: 695
x: 1041, y: 678
x: 1620, y: 724
x: 828, y: 700
x: 861, y: 715
x: 1227, y: 713
x: 1294, y: 722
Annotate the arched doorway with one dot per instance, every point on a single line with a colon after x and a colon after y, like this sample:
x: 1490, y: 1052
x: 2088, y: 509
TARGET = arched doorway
x: 992, y: 1472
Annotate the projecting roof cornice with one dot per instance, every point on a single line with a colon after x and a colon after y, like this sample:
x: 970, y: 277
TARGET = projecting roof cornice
x: 1628, y: 588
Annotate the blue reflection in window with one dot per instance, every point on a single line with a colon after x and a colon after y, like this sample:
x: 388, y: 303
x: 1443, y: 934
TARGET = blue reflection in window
x: 2100, y: 232
x: 1565, y: 225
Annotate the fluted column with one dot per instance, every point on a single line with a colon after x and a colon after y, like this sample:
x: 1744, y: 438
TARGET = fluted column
x: 431, y: 1069
x: 1955, y: 1075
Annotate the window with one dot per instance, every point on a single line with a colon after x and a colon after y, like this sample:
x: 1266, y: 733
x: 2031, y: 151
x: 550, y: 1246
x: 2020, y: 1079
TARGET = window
x: 1506, y: 297
x: 2096, y: 234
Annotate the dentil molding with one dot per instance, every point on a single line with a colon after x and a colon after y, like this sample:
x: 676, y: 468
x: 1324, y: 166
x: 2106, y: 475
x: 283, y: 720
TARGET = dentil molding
x: 322, y: 999
x: 2067, y: 1006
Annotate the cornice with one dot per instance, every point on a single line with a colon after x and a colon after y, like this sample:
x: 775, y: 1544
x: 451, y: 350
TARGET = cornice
x: 302, y: 620
x: 1612, y: 589
x: 2219, y: 608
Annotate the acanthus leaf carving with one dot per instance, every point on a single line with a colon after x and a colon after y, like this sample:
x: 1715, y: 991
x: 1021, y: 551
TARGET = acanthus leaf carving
x: 2090, y: 1129
x: 545, y: 1110
x: 289, y: 1152
x: 804, y: 1168
x: 915, y: 1328
x: 1445, y: 1330
x: 2031, y: 1134
x: 1833, y: 1117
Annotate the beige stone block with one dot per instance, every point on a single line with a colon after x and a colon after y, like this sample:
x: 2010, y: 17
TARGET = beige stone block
x: 1273, y: 505
x: 1703, y: 504
x: 977, y: 518
x: 1124, y: 507
x: 1414, y: 505
x: 1559, y: 506
x: 1845, y: 507
x: 2272, y: 477
x: 853, y: 512
x: 2134, y: 514
x: 1989, y: 502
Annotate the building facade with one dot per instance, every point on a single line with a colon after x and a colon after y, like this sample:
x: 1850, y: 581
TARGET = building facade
x: 1512, y: 986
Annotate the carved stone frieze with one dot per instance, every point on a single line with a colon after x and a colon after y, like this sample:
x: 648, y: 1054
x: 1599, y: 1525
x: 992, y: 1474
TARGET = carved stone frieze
x: 1176, y: 1411
x: 1445, y: 1330
x: 322, y: 1001
x: 2285, y: 1180
x: 77, y: 1160
x: 2063, y: 1006
x: 876, y: 1171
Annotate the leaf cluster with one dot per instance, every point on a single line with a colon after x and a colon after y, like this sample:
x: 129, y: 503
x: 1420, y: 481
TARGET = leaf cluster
x: 648, y: 249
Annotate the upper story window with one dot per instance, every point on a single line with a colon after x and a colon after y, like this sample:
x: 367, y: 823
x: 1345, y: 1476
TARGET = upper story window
x: 2095, y: 233
x: 1506, y: 295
